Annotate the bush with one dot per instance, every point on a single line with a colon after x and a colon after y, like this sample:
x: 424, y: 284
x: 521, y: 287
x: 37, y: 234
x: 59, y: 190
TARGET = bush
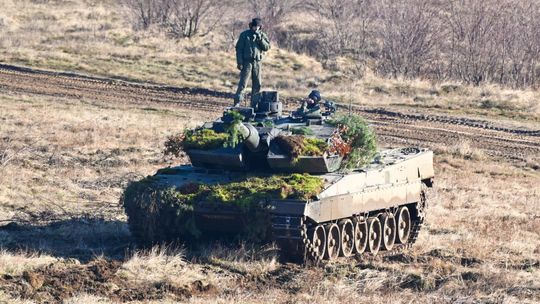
x: 357, y: 133
x: 180, y: 18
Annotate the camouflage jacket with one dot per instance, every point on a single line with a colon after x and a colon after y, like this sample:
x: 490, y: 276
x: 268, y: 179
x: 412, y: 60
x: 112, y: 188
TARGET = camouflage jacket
x: 308, y: 110
x: 251, y: 46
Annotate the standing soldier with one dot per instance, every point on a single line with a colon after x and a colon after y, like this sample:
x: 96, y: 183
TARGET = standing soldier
x: 249, y: 53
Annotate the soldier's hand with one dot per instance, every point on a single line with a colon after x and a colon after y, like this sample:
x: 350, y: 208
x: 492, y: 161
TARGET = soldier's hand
x: 239, y: 66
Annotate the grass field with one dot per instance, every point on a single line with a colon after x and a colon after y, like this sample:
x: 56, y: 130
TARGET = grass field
x: 68, y: 161
x: 94, y: 37
x: 64, y: 162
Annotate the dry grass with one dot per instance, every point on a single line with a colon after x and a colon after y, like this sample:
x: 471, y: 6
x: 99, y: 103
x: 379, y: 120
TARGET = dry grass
x: 247, y: 260
x: 65, y: 162
x: 92, y: 37
x: 85, y: 152
x: 16, y: 263
x: 481, y: 241
x: 159, y: 265
x: 463, y: 149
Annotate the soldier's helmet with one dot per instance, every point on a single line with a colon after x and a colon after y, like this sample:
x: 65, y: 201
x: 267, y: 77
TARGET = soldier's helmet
x: 315, y: 95
x: 255, y: 22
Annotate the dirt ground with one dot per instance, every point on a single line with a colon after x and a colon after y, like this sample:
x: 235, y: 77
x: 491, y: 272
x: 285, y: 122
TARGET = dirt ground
x: 69, y: 145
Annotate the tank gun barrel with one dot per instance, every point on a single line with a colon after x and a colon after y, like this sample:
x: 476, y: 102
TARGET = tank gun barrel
x: 251, y: 136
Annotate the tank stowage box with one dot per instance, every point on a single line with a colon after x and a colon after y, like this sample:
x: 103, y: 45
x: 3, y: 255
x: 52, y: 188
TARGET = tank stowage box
x: 293, y: 180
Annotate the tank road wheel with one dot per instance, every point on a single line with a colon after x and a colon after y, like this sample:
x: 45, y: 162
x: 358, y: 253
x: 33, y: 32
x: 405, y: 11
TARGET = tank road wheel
x: 403, y: 225
x: 318, y: 242
x: 347, y: 238
x: 374, y: 233
x: 360, y: 236
x: 388, y: 226
x: 333, y: 240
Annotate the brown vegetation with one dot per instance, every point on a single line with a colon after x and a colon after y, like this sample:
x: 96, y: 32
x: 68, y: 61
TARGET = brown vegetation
x: 98, y: 38
x: 67, y: 149
x: 475, y: 42
x: 480, y: 243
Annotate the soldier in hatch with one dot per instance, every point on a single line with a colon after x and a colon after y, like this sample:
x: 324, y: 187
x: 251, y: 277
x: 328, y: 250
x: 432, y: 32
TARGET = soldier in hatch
x: 250, y: 48
x: 310, y: 107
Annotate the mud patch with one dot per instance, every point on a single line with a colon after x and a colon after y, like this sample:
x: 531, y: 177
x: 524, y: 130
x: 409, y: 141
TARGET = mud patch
x: 421, y: 282
x: 291, y: 278
x: 59, y: 281
x: 525, y: 264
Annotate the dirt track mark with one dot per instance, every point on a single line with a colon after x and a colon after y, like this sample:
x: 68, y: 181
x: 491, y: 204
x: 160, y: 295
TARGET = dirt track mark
x: 57, y: 282
x: 394, y: 128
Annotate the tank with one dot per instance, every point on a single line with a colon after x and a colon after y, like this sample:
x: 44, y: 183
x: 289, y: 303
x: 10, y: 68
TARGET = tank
x: 249, y: 180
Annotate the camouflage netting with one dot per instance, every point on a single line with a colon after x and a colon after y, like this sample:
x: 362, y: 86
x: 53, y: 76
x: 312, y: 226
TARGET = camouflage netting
x: 163, y: 214
x: 299, y: 145
x: 205, y: 139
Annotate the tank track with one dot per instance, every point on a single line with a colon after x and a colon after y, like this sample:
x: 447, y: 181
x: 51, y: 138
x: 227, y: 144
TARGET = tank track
x: 291, y: 233
x: 298, y: 248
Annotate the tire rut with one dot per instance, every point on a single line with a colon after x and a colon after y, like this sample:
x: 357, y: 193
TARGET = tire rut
x: 393, y: 128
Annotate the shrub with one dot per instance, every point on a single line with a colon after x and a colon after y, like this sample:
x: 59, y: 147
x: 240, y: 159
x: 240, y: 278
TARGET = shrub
x: 357, y: 133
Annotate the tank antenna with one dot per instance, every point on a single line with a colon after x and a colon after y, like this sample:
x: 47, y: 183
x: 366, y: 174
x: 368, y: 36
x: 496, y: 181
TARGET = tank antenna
x: 350, y: 106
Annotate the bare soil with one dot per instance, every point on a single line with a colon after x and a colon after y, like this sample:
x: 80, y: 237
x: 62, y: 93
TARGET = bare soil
x: 57, y: 282
x: 495, y: 138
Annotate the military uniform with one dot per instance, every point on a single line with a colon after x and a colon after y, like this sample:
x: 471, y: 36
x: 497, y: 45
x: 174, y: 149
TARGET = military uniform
x: 310, y: 107
x: 249, y: 52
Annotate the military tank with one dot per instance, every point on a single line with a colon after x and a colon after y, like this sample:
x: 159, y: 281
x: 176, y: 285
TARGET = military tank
x: 301, y: 181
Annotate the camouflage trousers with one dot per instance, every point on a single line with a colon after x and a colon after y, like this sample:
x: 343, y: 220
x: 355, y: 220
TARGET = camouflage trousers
x: 252, y: 69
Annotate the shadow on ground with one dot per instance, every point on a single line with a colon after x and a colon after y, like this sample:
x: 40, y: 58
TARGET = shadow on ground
x: 78, y: 238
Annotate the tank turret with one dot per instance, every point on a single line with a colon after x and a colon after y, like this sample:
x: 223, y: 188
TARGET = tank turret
x: 270, y: 141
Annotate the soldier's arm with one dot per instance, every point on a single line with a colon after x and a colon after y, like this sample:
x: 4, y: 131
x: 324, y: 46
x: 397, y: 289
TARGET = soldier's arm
x: 239, y: 48
x: 303, y: 107
x: 264, y: 43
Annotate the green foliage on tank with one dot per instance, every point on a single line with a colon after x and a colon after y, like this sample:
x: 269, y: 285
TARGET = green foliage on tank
x: 314, y: 146
x: 204, y: 139
x: 302, y: 131
x: 163, y: 213
x: 232, y: 120
x: 359, y: 135
x: 300, y: 145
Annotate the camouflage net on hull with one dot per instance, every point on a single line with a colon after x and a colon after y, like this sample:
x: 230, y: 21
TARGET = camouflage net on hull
x: 158, y: 213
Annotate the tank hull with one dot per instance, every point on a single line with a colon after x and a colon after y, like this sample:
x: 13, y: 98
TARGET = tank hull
x: 394, y: 183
